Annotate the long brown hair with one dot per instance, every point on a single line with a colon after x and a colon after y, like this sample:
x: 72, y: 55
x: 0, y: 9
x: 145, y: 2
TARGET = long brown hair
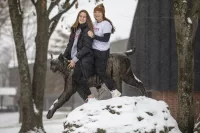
x: 101, y: 9
x: 88, y: 21
x: 113, y: 28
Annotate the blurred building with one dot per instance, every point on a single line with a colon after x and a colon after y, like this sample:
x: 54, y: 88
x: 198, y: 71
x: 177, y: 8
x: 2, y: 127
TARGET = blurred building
x: 8, y: 100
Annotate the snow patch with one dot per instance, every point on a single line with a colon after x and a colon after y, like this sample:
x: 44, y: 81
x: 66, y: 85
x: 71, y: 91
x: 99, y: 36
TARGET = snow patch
x: 36, y: 130
x: 50, y: 26
x: 19, y: 8
x: 55, y: 101
x: 184, y: 1
x: 9, y: 122
x: 35, y: 108
x: 129, y: 51
x: 189, y: 20
x: 121, y: 115
x: 196, y: 124
x: 52, y: 106
x: 197, y: 127
x: 137, y: 78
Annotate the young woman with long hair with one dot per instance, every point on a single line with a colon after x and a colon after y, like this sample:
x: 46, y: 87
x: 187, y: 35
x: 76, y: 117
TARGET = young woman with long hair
x: 103, y: 28
x: 79, y: 52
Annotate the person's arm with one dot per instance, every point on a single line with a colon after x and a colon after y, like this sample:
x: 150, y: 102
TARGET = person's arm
x: 87, y: 46
x: 107, y: 29
x: 69, y: 46
x: 104, y: 38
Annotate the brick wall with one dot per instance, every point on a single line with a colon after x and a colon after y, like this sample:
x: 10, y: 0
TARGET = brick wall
x: 171, y: 98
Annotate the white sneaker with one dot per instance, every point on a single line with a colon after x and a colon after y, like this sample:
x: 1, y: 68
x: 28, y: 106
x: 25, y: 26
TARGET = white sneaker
x: 115, y: 93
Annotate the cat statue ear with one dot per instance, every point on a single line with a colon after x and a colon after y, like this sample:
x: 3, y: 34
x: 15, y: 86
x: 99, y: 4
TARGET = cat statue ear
x: 63, y: 60
x: 60, y: 57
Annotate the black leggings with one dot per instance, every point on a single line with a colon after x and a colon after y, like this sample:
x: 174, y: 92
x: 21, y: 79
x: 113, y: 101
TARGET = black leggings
x: 100, y: 62
x: 80, y: 81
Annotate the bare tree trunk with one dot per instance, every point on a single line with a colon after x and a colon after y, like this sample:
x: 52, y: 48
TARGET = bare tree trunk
x: 40, y: 66
x: 44, y: 32
x: 185, y: 26
x: 32, y: 97
x: 26, y: 91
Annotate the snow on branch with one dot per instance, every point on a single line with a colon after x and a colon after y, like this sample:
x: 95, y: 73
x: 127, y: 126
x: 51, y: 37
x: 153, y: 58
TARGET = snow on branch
x: 35, y: 108
x: 54, y: 21
x: 19, y: 7
x: 51, y: 26
x: 65, y: 10
x: 184, y: 1
x: 189, y: 20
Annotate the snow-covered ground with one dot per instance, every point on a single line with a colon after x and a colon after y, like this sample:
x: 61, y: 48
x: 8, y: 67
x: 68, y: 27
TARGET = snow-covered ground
x: 9, y: 122
x: 116, y: 115
x: 122, y: 115
x: 197, y: 126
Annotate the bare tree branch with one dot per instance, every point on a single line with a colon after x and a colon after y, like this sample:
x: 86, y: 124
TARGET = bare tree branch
x: 65, y: 10
x: 19, y: 7
x: 52, y: 5
x: 55, y: 19
x: 4, y: 15
x: 30, y: 36
x: 34, y: 3
x: 193, y: 14
x: 66, y: 3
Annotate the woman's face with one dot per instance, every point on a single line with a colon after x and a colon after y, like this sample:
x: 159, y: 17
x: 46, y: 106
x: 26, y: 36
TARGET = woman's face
x: 98, y: 16
x: 82, y: 18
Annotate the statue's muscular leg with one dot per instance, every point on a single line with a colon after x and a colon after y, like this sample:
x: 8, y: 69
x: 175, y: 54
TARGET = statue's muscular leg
x: 65, y: 96
x: 131, y: 79
x: 81, y: 91
x: 128, y: 76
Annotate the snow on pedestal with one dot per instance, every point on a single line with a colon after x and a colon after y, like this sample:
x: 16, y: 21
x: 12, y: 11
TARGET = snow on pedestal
x: 121, y: 115
x: 197, y: 126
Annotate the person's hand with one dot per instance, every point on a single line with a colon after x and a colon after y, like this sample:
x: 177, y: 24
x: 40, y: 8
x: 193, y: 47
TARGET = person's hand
x: 71, y: 64
x: 90, y: 34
